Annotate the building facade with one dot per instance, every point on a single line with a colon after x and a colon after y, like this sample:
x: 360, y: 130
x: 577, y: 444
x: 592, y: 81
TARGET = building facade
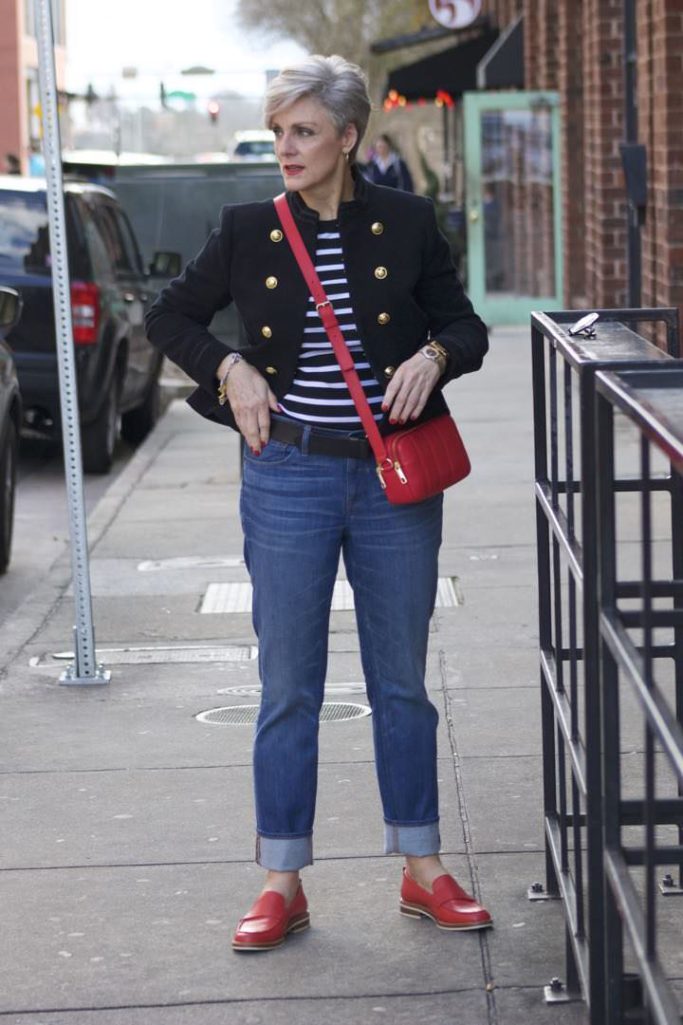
x: 20, y: 127
x: 577, y: 48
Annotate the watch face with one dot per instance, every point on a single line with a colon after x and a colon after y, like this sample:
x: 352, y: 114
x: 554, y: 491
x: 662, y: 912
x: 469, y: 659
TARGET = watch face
x: 430, y: 353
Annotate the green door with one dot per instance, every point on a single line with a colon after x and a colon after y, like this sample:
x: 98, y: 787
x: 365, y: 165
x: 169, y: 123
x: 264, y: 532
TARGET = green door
x: 512, y: 199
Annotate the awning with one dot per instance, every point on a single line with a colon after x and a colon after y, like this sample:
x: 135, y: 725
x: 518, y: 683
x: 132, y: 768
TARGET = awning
x: 453, y: 71
x: 503, y: 65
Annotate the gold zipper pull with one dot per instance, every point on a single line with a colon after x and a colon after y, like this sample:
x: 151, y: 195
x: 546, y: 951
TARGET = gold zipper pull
x: 399, y: 473
x: 380, y: 474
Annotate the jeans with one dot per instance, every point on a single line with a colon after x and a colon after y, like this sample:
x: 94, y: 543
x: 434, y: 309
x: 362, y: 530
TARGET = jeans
x: 299, y: 512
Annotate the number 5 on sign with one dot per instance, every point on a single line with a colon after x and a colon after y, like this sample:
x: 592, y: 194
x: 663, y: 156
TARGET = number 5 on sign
x: 455, y: 13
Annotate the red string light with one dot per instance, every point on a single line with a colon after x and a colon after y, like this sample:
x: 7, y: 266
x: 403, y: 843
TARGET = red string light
x: 395, y: 99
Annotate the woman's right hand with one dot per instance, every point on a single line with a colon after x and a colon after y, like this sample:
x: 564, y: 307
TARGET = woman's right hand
x: 251, y: 401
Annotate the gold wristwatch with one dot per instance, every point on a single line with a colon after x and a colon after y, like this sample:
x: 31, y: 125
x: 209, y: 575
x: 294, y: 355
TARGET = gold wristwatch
x: 436, y: 352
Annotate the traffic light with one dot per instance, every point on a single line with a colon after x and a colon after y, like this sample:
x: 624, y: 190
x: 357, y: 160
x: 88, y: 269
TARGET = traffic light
x: 214, y: 111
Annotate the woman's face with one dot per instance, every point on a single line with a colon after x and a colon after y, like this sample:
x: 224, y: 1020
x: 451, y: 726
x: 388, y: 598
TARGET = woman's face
x: 308, y: 147
x: 382, y: 148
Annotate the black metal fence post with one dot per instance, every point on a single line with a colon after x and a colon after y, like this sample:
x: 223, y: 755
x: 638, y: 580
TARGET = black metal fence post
x: 543, y: 570
x: 568, y: 560
x: 614, y: 961
x: 634, y: 658
x: 591, y: 701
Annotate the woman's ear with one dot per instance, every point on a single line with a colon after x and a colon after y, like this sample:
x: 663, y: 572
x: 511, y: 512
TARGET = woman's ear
x: 349, y: 137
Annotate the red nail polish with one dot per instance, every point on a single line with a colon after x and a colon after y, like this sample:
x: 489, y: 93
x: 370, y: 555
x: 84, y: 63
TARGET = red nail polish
x: 392, y: 421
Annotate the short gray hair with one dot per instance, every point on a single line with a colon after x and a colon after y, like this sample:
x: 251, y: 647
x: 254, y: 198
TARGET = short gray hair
x: 340, y: 86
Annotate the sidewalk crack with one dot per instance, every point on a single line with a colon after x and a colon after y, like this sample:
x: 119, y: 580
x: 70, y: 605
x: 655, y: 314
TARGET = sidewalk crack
x: 484, y: 948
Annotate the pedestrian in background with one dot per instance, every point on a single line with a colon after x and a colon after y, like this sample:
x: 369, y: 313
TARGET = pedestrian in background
x: 310, y: 490
x: 12, y: 163
x: 387, y: 167
x: 36, y: 160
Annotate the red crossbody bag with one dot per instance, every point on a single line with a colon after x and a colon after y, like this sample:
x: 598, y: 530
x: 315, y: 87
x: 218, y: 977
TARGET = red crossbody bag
x: 412, y: 464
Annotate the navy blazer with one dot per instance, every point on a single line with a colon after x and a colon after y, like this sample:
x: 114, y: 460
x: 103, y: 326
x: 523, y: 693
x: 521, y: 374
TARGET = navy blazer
x: 403, y: 285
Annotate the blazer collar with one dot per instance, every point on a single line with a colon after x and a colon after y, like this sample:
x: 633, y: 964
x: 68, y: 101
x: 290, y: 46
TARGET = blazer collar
x: 361, y: 197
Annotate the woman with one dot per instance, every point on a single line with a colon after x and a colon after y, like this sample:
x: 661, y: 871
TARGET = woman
x: 387, y: 167
x: 310, y: 489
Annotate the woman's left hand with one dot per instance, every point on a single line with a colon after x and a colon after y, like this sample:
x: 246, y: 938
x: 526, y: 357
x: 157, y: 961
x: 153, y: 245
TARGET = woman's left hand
x: 410, y: 387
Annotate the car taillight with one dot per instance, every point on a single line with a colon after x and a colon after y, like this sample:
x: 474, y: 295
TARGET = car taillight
x: 85, y: 312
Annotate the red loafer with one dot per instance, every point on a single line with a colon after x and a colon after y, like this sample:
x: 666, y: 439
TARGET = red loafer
x: 270, y: 920
x: 448, y: 905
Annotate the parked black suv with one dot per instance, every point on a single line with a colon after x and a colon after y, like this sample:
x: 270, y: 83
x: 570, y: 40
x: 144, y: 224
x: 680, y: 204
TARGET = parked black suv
x: 117, y: 369
x: 10, y: 420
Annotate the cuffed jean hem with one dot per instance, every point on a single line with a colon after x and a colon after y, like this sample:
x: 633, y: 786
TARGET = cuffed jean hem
x: 415, y: 841
x: 284, y: 853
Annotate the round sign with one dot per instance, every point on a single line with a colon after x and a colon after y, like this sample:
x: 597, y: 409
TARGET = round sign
x: 455, y: 13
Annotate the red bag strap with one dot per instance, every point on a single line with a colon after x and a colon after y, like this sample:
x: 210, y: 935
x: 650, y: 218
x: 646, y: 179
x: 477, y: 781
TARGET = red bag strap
x: 331, y: 325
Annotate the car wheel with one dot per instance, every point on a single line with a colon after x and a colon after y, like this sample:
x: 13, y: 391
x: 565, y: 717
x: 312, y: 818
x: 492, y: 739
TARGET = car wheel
x: 8, y: 480
x: 139, y: 422
x: 98, y: 439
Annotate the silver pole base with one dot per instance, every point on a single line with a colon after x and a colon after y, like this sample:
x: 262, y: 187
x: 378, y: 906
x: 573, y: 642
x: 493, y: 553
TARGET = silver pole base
x: 70, y: 677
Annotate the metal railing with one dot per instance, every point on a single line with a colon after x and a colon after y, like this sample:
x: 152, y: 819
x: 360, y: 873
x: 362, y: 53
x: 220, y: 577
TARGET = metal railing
x: 641, y: 648
x: 565, y: 442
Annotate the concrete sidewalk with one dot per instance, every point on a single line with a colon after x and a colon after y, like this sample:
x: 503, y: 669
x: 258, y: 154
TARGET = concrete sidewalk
x: 127, y: 823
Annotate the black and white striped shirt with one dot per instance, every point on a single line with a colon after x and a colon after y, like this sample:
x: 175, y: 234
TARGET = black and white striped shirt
x: 319, y: 394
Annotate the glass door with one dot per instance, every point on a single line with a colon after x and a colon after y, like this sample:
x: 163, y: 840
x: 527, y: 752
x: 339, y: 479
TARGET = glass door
x: 512, y: 196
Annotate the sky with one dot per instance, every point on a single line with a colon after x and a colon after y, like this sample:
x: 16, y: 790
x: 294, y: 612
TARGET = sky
x: 159, y: 38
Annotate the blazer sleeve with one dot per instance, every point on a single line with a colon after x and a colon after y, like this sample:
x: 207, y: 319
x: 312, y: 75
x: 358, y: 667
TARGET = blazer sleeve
x: 452, y: 320
x: 177, y: 321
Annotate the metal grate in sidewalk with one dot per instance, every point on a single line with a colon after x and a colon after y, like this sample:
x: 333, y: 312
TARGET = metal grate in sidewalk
x: 236, y: 597
x: 189, y: 562
x: 158, y: 654
x: 253, y: 690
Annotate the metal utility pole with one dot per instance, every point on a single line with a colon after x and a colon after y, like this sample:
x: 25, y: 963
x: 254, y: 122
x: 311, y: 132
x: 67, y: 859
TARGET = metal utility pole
x: 85, y: 669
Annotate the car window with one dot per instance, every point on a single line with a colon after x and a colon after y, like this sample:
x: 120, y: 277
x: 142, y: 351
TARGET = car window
x: 80, y: 259
x: 102, y: 266
x: 90, y: 241
x: 129, y: 240
x: 108, y: 225
x: 24, y: 240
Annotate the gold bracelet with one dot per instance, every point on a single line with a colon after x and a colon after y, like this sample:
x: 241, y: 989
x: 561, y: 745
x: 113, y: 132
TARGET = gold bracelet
x: 233, y: 358
x: 442, y: 351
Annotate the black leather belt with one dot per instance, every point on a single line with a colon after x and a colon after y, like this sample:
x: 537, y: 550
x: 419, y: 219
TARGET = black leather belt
x: 320, y: 443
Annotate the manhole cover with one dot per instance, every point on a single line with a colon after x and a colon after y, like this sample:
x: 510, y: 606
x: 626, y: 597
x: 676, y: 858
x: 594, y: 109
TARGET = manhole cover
x: 244, y: 715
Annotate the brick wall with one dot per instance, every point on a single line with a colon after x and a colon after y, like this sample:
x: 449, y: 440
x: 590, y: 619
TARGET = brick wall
x: 660, y: 113
x: 570, y: 84
x: 576, y: 47
x: 10, y: 36
x: 603, y: 126
x: 18, y: 54
x: 541, y: 43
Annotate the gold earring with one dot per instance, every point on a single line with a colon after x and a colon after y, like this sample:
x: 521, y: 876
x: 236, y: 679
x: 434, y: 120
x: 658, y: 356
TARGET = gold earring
x: 346, y: 156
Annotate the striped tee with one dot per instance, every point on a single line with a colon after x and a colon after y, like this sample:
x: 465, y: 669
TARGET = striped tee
x: 319, y: 394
